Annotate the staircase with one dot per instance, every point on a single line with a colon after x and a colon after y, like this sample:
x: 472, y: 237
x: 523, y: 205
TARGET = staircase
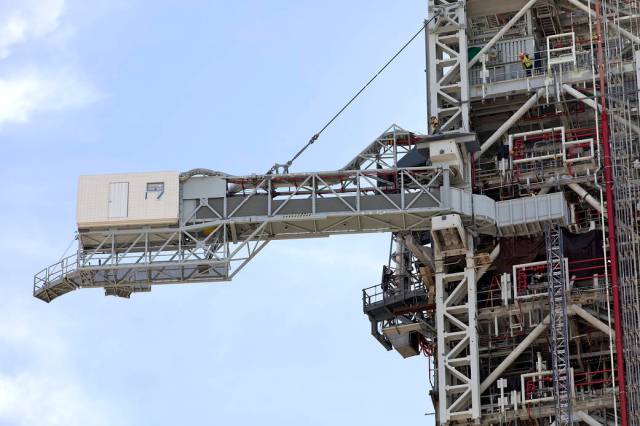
x: 546, y: 19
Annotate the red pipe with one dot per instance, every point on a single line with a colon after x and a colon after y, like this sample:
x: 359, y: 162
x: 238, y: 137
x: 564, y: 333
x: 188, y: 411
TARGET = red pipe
x: 593, y: 259
x: 588, y: 373
x: 611, y: 229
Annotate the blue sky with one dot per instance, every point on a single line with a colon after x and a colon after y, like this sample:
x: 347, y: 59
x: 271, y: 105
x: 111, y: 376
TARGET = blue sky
x: 111, y: 86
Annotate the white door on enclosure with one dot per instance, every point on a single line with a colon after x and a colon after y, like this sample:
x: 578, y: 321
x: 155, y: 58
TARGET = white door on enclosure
x: 118, y: 199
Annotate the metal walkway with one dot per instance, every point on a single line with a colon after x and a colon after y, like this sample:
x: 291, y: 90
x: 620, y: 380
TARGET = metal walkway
x: 218, y: 236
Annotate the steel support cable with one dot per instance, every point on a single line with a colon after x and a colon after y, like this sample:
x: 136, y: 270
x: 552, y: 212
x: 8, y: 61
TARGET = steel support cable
x: 75, y: 237
x: 316, y: 135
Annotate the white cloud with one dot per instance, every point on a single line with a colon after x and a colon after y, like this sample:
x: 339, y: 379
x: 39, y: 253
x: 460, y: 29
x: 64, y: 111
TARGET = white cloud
x: 35, y: 82
x: 28, y: 20
x: 35, y: 91
x: 27, y: 399
x: 32, y: 394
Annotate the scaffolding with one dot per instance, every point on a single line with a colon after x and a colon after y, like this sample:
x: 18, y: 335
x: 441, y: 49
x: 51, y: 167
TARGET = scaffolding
x: 621, y: 95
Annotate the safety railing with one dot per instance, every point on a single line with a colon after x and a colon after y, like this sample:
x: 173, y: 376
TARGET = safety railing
x: 492, y: 294
x: 537, y: 387
x: 583, y: 275
x: 591, y: 379
x: 55, y: 272
x: 513, y: 70
x: 270, y: 197
x: 381, y: 292
x: 371, y: 295
x: 561, y: 49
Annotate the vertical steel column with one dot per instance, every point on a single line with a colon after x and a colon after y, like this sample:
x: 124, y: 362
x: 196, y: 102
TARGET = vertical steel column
x: 456, y: 313
x: 456, y: 308
x: 559, y: 329
x: 447, y: 75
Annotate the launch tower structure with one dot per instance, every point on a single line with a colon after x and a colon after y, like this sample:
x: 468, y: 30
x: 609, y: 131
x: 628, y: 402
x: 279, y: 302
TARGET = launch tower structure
x: 514, y: 221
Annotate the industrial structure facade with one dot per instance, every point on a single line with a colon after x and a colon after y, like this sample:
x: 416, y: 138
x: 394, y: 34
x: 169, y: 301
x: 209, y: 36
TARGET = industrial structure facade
x: 514, y: 222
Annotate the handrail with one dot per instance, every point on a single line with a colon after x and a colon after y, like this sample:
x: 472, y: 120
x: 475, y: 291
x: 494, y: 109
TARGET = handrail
x: 55, y: 271
x: 512, y: 70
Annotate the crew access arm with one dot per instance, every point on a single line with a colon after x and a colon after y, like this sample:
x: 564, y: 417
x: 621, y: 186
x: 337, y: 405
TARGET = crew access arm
x: 143, y: 229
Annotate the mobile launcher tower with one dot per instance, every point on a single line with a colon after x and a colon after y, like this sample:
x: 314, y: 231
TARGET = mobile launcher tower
x: 514, y: 253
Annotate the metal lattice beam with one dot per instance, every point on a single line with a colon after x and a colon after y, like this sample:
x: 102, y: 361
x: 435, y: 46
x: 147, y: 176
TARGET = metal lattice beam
x: 558, y: 327
x: 447, y: 56
x: 456, y: 322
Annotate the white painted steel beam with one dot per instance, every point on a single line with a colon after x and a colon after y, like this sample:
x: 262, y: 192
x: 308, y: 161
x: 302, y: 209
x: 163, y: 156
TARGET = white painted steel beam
x: 420, y: 252
x: 584, y: 195
x: 456, y: 322
x: 447, y: 57
x: 511, y: 121
x: 535, y: 333
x: 586, y: 418
x: 587, y: 9
x: 492, y: 257
x: 501, y: 33
x: 595, y: 322
x: 517, y: 351
x: 593, y: 104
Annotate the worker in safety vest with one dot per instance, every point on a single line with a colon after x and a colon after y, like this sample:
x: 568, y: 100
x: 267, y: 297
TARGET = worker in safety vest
x: 527, y: 63
x: 435, y: 124
x: 427, y: 280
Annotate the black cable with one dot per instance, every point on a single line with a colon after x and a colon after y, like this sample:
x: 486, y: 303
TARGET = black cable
x: 315, y: 137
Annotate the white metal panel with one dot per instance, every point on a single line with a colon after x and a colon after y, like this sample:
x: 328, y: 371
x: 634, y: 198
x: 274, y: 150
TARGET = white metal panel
x: 102, y: 205
x: 484, y: 7
x: 531, y: 212
x: 199, y: 187
x: 118, y: 199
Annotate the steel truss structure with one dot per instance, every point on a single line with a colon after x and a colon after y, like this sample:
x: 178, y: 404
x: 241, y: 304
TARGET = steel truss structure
x: 558, y: 324
x: 220, y: 236
x: 456, y: 323
x: 514, y: 256
x: 447, y: 55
